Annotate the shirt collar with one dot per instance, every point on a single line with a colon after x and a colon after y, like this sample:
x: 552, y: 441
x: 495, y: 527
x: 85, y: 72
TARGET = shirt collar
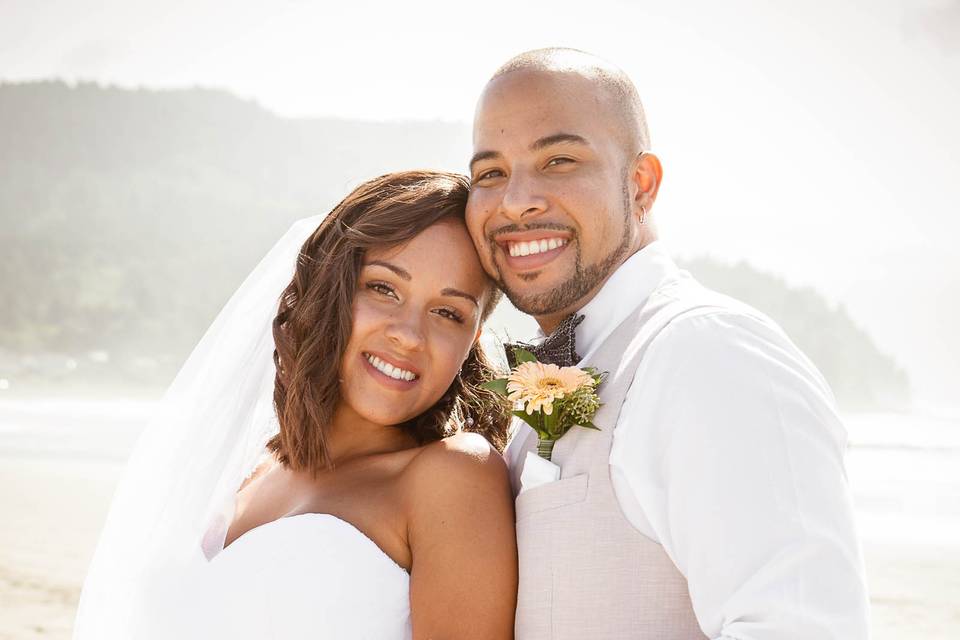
x: 626, y: 289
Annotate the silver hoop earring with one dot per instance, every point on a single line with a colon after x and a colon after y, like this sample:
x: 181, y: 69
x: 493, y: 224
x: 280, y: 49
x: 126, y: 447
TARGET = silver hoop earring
x: 643, y: 214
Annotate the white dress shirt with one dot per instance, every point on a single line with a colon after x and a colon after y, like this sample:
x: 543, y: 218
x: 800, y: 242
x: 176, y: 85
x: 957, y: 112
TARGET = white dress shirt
x: 728, y: 452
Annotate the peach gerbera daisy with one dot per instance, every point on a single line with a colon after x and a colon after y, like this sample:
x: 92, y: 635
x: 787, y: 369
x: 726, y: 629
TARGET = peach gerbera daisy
x: 537, y: 385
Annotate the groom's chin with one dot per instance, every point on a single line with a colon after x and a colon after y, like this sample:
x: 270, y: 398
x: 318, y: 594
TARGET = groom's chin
x: 529, y: 298
x: 530, y: 276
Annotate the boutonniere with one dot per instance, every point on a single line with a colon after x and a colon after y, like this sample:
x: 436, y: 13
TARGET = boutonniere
x: 549, y: 398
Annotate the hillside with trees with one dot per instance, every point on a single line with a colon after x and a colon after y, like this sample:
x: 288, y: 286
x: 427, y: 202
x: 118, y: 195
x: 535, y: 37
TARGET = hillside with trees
x: 127, y: 217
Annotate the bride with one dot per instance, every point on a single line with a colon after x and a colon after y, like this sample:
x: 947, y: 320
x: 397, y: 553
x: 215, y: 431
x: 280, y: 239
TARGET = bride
x: 327, y: 467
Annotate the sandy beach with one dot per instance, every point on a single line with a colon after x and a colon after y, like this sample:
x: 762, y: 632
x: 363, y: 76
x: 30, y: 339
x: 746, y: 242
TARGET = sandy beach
x: 55, y: 487
x: 52, y: 513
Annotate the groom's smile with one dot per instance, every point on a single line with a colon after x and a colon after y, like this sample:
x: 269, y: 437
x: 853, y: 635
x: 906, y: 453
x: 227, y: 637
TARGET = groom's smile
x: 525, y: 252
x: 553, y: 207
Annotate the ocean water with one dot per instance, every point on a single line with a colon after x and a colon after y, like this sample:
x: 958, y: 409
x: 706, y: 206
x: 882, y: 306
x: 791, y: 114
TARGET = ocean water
x: 904, y: 472
x: 74, y: 429
x: 903, y: 469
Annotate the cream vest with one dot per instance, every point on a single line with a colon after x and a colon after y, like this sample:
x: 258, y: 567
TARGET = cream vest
x: 585, y: 572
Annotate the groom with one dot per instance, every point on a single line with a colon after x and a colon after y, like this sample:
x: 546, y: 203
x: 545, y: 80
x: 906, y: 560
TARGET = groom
x: 712, y: 502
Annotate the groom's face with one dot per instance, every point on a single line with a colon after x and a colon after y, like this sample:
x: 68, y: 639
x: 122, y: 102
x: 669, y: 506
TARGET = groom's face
x: 550, y: 207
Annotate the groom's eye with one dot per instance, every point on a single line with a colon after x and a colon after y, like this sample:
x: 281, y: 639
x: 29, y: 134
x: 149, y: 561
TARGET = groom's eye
x: 492, y: 173
x: 553, y: 162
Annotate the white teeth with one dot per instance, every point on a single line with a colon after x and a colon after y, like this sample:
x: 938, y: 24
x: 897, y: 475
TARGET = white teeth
x: 535, y: 246
x: 388, y: 369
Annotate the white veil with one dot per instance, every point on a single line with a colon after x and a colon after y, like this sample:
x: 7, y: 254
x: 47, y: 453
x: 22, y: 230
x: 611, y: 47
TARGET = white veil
x: 207, y: 434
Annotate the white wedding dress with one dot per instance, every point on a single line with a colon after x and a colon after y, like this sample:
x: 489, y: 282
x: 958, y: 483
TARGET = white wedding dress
x: 309, y: 576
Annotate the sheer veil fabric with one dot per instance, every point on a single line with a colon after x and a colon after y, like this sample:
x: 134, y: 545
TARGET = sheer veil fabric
x: 180, y: 482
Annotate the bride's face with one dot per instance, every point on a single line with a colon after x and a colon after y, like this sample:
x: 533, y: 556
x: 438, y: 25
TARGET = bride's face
x: 415, y: 316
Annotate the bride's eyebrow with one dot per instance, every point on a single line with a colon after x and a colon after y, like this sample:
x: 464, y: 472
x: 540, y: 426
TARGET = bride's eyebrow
x: 392, y: 267
x: 460, y: 294
x: 403, y: 273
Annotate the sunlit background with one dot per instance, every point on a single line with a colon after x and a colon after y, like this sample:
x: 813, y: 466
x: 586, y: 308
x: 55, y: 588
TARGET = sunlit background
x: 150, y: 153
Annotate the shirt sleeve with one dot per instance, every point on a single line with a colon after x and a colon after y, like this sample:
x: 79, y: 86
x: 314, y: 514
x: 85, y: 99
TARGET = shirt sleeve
x: 730, y: 444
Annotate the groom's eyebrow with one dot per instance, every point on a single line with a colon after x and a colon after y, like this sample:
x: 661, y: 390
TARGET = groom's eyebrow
x: 557, y: 138
x: 540, y: 143
x: 483, y: 155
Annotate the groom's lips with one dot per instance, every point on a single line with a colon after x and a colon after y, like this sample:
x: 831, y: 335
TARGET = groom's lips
x: 532, y: 262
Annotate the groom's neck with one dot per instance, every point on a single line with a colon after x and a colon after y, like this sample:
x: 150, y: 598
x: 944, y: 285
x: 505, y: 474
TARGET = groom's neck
x: 549, y: 322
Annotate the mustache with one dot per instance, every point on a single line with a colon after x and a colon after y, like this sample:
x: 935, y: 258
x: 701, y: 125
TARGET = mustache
x: 514, y: 228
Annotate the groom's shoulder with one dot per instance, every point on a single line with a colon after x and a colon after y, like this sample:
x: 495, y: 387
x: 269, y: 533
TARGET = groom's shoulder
x: 721, y: 332
x: 707, y: 314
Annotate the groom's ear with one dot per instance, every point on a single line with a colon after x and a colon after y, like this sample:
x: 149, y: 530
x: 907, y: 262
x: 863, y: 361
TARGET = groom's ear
x: 647, y: 174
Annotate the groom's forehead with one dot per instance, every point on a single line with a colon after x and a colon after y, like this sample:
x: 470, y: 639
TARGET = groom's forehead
x: 529, y: 105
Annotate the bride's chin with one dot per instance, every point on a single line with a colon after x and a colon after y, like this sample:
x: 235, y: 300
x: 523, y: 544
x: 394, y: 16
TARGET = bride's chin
x: 385, y: 415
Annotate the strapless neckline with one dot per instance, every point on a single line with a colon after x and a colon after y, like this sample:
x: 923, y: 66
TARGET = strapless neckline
x: 307, y: 576
x: 366, y: 540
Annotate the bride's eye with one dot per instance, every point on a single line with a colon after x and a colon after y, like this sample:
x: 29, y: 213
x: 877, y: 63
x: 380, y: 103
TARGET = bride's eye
x: 382, y: 288
x: 450, y: 314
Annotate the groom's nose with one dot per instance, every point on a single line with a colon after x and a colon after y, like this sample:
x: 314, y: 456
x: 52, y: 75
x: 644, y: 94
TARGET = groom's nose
x: 523, y: 198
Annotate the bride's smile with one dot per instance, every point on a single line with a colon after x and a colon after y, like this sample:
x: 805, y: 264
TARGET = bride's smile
x: 391, y: 369
x: 416, y: 314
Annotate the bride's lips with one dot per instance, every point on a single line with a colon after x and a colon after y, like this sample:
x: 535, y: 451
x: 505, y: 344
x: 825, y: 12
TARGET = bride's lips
x: 374, y: 361
x: 532, y: 250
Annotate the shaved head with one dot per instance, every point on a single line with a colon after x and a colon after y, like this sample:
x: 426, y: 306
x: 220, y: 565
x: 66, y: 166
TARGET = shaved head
x: 562, y: 179
x: 607, y: 77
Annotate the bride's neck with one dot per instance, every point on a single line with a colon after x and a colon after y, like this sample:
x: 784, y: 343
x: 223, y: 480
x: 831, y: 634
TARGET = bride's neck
x: 350, y: 436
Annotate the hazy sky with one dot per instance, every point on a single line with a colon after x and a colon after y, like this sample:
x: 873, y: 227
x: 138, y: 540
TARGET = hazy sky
x: 818, y: 140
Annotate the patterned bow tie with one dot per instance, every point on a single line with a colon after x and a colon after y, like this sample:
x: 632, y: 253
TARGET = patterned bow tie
x: 558, y: 348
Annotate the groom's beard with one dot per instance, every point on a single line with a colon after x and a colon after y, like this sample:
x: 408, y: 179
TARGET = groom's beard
x: 584, y: 280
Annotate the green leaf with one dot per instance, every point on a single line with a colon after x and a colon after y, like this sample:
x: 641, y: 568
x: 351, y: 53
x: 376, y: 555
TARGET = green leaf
x: 590, y: 425
x: 499, y: 386
x: 551, y: 422
x: 522, y: 355
x: 532, y: 420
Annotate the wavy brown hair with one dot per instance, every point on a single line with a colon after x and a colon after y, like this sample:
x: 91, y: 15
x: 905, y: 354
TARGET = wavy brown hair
x: 315, y: 319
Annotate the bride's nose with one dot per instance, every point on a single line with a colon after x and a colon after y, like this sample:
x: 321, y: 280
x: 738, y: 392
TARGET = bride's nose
x: 405, y: 331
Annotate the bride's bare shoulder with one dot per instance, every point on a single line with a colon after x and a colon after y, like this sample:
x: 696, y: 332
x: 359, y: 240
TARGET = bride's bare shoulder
x: 464, y: 461
x: 265, y: 463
